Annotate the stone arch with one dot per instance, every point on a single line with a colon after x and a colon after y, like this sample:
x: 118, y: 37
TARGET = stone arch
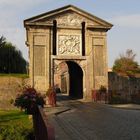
x: 71, y: 78
x: 76, y: 80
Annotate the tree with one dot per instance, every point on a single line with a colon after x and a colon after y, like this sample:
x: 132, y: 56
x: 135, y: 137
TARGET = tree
x: 126, y: 64
x: 11, y: 59
x: 2, y: 41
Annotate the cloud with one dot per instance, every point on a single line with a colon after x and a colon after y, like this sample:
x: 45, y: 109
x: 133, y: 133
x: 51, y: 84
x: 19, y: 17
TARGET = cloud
x: 131, y: 21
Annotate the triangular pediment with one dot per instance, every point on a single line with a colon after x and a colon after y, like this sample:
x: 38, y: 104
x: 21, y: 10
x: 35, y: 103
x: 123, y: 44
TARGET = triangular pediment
x: 68, y: 16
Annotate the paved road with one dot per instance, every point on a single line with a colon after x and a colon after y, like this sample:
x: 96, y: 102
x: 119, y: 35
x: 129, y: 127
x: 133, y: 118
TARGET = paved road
x: 90, y: 121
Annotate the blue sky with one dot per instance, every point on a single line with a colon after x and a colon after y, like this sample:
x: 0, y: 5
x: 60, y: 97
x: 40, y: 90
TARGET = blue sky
x: 123, y: 14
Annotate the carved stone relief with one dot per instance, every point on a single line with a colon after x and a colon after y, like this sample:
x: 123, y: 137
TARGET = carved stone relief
x: 71, y: 19
x: 69, y: 45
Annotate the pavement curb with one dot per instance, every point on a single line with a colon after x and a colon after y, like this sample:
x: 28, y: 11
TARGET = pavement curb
x: 125, y: 107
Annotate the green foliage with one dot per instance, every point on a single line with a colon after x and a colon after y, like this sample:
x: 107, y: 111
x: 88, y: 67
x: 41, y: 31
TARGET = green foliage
x: 102, y: 89
x: 15, y: 125
x: 126, y: 64
x: 11, y: 101
x: 2, y: 41
x: 11, y: 59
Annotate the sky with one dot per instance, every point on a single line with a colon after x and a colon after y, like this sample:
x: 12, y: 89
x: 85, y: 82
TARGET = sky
x: 123, y: 14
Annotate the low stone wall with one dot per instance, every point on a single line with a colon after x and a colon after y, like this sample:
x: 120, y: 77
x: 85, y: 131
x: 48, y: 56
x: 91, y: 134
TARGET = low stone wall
x: 42, y: 128
x: 123, y: 85
x: 9, y: 88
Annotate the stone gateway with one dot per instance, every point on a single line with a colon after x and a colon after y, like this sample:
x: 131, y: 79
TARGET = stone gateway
x: 68, y: 50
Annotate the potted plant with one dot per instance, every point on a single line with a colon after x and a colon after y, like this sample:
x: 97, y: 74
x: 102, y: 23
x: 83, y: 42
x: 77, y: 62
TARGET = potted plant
x: 51, y: 94
x: 102, y: 89
x: 29, y: 99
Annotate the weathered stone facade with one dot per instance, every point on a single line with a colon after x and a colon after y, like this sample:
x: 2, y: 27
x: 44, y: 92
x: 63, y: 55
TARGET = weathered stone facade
x: 123, y: 85
x: 67, y: 34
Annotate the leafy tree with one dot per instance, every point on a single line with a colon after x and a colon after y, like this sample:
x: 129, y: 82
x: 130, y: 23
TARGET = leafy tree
x: 126, y: 64
x: 11, y: 59
x: 2, y: 41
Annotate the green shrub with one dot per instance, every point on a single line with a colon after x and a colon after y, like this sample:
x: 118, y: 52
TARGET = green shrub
x: 15, y: 125
x: 14, y: 132
x: 11, y: 101
x: 102, y: 89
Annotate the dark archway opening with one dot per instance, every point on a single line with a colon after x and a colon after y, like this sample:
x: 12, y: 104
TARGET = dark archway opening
x: 75, y: 80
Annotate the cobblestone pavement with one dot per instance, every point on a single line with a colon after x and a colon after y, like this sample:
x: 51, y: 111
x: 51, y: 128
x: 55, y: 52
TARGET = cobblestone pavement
x: 92, y: 121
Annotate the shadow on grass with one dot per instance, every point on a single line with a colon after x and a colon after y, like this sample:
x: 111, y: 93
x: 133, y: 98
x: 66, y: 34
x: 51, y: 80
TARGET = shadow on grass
x: 15, y: 125
x: 11, y: 115
x: 14, y: 75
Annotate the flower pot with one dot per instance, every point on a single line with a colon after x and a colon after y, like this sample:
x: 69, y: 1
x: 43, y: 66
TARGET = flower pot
x: 31, y: 110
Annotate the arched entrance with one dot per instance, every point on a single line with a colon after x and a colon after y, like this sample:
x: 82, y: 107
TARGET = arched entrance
x: 70, y: 35
x: 75, y: 80
x: 69, y: 78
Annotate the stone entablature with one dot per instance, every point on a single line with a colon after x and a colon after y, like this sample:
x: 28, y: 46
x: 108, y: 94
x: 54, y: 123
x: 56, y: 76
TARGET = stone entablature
x: 84, y: 44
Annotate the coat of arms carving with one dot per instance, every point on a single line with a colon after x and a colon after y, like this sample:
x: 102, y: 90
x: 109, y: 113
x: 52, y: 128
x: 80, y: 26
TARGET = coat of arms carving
x: 69, y: 45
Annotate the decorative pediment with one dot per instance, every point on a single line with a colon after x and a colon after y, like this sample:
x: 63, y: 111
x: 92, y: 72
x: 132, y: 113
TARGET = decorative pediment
x: 68, y: 16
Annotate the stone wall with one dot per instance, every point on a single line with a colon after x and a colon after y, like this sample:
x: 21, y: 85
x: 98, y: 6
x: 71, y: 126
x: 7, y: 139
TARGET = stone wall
x: 9, y: 88
x: 123, y: 85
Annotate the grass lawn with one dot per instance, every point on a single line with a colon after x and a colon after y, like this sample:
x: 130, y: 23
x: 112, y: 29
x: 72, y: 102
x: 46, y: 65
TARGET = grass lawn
x: 15, y: 75
x: 15, y: 125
